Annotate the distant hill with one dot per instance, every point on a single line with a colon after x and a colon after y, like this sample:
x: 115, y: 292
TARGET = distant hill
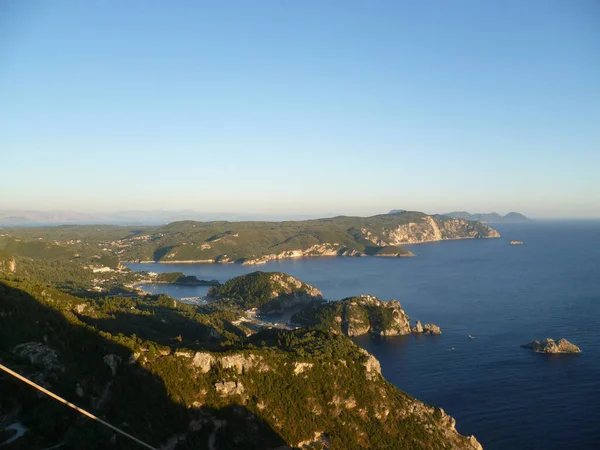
x: 489, y: 217
x: 243, y: 242
x: 135, y: 217
x: 259, y: 242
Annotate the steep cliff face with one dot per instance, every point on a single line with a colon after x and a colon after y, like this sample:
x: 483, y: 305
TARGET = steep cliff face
x: 268, y: 291
x: 430, y: 229
x: 339, y: 387
x: 356, y: 316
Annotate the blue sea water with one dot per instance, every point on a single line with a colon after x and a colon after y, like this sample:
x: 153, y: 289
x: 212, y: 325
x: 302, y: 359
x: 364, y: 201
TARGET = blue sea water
x: 504, y: 295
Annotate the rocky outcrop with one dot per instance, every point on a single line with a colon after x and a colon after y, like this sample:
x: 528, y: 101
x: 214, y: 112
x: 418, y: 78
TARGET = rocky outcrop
x: 238, y: 362
x: 368, y: 314
x: 39, y: 355
x: 227, y: 388
x: 301, y: 367
x: 372, y: 365
x: 356, y: 316
x: 325, y: 249
x: 418, y: 328
x: 430, y: 328
x: 242, y: 363
x: 551, y: 346
x: 431, y: 229
x: 516, y: 242
x: 203, y: 361
x: 445, y: 423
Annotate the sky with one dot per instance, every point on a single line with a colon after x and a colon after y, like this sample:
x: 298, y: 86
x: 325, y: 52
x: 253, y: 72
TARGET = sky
x: 301, y: 107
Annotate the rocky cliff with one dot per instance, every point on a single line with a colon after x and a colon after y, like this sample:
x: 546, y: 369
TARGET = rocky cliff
x: 551, y: 346
x: 431, y: 229
x: 360, y: 315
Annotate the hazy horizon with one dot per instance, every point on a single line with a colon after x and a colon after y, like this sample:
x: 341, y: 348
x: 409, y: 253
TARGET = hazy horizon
x: 156, y: 216
x: 306, y: 108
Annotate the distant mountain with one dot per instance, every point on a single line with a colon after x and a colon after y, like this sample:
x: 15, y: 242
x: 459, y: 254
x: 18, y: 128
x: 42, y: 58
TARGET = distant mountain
x: 396, y: 211
x: 28, y: 217
x: 489, y: 217
x: 134, y: 217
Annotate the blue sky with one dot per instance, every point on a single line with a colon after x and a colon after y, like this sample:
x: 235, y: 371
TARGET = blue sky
x: 303, y: 107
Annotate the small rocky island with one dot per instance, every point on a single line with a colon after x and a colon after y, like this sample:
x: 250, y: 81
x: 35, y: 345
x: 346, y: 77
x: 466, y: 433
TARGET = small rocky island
x: 551, y: 346
x: 428, y: 328
x: 516, y: 242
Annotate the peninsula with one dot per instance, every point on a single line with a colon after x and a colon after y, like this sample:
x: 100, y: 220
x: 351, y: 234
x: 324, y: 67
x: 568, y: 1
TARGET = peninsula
x: 177, y: 375
x: 241, y: 242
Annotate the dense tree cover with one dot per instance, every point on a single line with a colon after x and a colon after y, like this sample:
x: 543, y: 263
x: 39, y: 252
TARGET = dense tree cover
x: 181, y: 278
x: 257, y: 289
x: 70, y: 276
x: 285, y: 387
x: 236, y: 241
x: 327, y: 315
x: 35, y: 248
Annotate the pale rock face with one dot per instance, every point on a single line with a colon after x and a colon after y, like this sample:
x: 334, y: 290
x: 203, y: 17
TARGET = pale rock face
x: 325, y: 249
x: 446, y: 424
x: 432, y: 229
x: 242, y: 363
x: 418, y: 328
x: 40, y: 355
x: 239, y: 362
x: 374, y: 239
x: 203, y: 361
x: 430, y: 328
x: 551, y: 346
x: 112, y: 361
x: 372, y: 365
x: 80, y: 309
x: 359, y: 323
x: 301, y: 367
x: 319, y: 440
x: 227, y: 388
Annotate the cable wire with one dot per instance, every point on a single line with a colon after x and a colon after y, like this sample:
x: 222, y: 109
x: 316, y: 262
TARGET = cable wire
x: 75, y: 407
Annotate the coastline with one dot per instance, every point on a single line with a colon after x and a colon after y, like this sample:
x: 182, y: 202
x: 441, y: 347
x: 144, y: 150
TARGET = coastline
x: 264, y: 261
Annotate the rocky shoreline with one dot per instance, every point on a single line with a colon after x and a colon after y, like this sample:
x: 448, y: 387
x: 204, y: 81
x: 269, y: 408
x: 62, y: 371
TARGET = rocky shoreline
x: 298, y: 254
x: 550, y: 346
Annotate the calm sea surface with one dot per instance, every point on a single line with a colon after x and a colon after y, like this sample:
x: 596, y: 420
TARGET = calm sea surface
x: 504, y: 295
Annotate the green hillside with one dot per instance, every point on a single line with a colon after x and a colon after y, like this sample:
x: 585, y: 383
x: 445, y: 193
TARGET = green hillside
x: 167, y: 372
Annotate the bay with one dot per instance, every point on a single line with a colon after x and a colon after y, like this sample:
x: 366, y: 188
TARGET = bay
x: 504, y: 295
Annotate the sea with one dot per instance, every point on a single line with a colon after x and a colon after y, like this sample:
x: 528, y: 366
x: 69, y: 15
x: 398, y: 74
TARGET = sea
x: 503, y: 296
